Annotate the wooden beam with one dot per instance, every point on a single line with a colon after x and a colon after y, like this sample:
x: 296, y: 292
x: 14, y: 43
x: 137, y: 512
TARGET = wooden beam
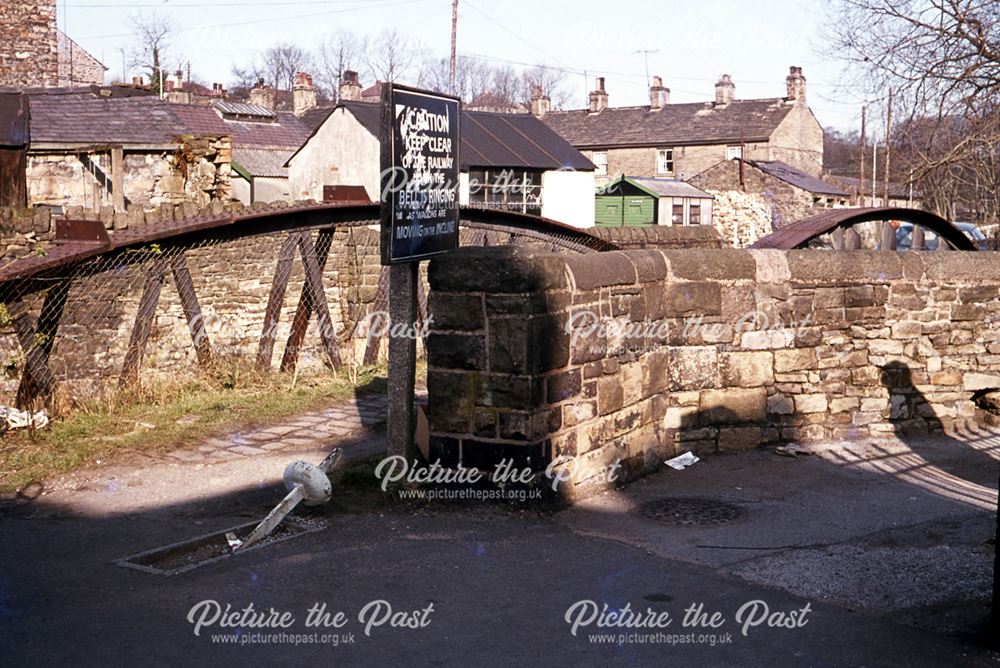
x: 118, y: 177
x: 300, y: 323
x: 314, y: 282
x: 143, y: 321
x: 286, y: 256
x: 192, y: 309
x: 36, y: 343
x: 381, y: 305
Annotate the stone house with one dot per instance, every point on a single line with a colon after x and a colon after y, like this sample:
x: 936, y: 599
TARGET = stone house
x: 35, y: 53
x: 508, y: 161
x: 76, y: 66
x: 754, y: 197
x: 98, y: 150
x: 680, y: 140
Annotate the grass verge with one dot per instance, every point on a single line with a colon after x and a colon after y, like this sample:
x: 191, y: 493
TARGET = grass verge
x: 168, y: 416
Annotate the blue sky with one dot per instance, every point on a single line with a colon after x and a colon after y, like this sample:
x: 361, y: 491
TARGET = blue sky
x: 694, y: 42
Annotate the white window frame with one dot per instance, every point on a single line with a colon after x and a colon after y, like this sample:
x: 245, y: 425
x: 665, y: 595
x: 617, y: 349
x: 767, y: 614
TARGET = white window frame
x: 734, y: 152
x: 600, y: 161
x: 664, y: 161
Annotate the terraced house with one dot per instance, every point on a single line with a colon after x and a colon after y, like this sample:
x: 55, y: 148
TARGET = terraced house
x: 681, y: 140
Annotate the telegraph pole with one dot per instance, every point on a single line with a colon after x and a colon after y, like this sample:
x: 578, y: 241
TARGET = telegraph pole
x: 888, y: 144
x: 454, y: 43
x: 864, y: 141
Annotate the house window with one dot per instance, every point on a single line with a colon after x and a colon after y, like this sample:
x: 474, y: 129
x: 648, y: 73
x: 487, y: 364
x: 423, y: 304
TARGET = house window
x: 695, y: 214
x: 506, y: 189
x: 734, y: 152
x: 665, y: 161
x: 677, y: 216
x: 600, y: 161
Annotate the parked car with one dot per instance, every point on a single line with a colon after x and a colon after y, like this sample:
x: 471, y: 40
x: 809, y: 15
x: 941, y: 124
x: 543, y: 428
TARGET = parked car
x: 904, y: 236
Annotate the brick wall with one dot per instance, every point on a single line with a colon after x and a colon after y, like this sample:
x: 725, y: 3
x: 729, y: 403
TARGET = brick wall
x: 29, y: 54
x: 701, y: 350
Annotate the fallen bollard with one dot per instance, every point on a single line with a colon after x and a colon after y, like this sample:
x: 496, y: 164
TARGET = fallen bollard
x: 306, y: 483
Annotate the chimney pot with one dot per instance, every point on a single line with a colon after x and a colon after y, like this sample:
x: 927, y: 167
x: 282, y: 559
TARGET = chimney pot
x: 541, y: 104
x: 659, y: 96
x: 796, y: 85
x: 725, y: 90
x: 599, y: 97
x: 350, y: 88
x: 303, y: 94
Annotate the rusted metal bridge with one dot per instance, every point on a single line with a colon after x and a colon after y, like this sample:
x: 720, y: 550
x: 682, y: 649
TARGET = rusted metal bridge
x: 84, y: 250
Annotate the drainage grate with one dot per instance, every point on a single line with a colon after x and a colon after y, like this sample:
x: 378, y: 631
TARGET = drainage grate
x: 180, y: 557
x: 690, y: 511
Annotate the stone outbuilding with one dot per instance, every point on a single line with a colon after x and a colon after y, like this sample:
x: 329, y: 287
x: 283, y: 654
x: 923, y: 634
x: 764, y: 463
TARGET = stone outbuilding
x: 668, y: 140
x: 755, y: 197
x: 96, y: 149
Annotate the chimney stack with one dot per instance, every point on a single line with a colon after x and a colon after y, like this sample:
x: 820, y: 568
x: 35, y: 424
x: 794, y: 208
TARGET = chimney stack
x: 218, y: 90
x: 350, y: 89
x: 796, y: 84
x: 262, y: 95
x: 303, y: 94
x: 725, y: 90
x: 541, y: 104
x: 659, y: 96
x: 598, y: 97
x: 137, y: 82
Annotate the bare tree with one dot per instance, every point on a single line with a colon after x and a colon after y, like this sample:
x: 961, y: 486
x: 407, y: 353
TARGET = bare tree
x: 152, y: 33
x: 942, y: 60
x: 392, y: 56
x: 473, y: 77
x: 280, y: 63
x: 552, y: 81
x: 337, y: 53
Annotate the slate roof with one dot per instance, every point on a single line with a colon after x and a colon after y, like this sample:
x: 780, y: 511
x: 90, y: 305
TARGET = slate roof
x: 263, y: 162
x: 280, y: 130
x: 797, y: 177
x: 497, y: 140
x: 315, y: 117
x: 671, y: 125
x: 89, y: 119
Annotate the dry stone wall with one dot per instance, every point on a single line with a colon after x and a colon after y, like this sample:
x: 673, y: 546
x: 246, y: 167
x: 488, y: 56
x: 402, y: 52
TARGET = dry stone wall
x: 617, y: 361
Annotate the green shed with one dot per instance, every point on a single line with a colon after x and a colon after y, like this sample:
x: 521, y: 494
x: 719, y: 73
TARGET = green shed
x: 632, y: 200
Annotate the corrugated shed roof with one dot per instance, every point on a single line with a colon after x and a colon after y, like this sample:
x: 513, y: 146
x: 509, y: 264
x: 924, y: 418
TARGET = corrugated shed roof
x: 243, y: 109
x: 263, y: 162
x: 497, y: 140
x: 669, y: 187
x: 671, y: 125
x: 797, y: 177
x: 13, y: 120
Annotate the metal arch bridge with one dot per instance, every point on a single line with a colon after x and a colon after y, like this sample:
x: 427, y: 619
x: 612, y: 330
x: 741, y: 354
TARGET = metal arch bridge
x: 84, y: 248
x: 799, y: 234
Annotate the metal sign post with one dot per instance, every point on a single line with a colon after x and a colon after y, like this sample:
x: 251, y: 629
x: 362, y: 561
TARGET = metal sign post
x: 420, y: 135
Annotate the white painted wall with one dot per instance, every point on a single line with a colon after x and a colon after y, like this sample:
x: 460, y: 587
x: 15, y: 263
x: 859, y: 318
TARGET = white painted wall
x: 568, y: 197
x: 342, y: 152
x: 241, y: 189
